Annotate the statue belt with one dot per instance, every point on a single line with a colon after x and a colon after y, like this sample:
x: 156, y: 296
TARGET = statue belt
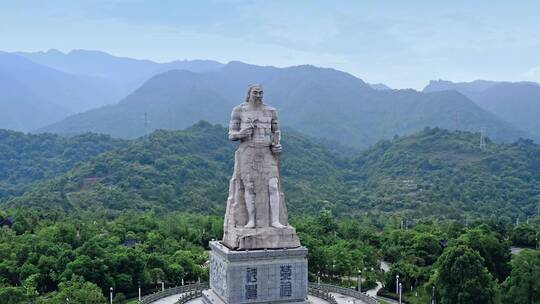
x: 257, y: 145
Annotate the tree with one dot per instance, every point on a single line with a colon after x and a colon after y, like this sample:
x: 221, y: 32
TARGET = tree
x: 15, y: 295
x: 409, y: 276
x: 462, y: 278
x: 426, y: 248
x: 327, y: 221
x: 495, y: 252
x: 524, y: 235
x: 523, y: 284
x: 78, y: 291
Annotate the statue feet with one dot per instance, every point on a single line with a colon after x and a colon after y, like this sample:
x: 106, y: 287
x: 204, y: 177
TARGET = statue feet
x: 250, y: 224
x: 278, y: 225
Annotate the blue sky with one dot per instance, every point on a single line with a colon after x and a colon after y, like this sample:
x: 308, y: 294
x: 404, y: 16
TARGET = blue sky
x: 400, y: 43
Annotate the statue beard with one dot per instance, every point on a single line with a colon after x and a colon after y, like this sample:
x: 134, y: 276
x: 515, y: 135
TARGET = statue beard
x: 255, y: 100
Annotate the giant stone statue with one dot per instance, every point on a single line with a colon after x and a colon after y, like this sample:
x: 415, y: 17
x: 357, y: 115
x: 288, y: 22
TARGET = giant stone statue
x: 260, y: 259
x: 256, y: 216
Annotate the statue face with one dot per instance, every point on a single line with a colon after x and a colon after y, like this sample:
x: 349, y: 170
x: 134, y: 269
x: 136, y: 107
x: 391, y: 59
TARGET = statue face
x: 256, y: 94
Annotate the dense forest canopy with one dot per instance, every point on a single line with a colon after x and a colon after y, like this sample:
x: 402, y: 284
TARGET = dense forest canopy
x: 435, y: 173
x: 48, y: 256
x: 27, y: 158
x: 105, y: 213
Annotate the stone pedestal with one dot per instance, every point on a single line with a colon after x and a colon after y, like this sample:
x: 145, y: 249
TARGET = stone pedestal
x: 260, y: 238
x: 257, y: 276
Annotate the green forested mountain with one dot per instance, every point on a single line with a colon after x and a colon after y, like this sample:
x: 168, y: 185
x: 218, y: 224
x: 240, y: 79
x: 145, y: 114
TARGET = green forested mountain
x: 435, y: 173
x: 27, y: 158
x: 323, y: 103
x: 183, y: 170
x: 446, y: 173
x: 347, y: 210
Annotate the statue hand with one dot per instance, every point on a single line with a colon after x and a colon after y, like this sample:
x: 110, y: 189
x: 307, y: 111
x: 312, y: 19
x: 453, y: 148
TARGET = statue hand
x: 276, y: 149
x: 246, y: 132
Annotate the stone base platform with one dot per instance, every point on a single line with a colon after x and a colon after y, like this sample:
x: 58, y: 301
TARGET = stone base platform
x: 261, y: 238
x: 257, y: 276
x: 210, y: 297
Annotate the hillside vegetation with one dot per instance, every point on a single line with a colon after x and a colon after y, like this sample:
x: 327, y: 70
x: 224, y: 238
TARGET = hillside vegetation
x: 433, y: 204
x: 27, y: 158
x: 435, y: 173
x: 438, y: 172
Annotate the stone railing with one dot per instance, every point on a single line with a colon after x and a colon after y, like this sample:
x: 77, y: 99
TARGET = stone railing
x: 193, y: 291
x: 188, y: 296
x: 319, y: 293
x: 344, y: 291
x: 185, y: 289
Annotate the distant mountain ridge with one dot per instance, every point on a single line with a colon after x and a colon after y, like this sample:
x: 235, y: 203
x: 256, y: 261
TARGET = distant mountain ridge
x: 35, y: 95
x: 323, y: 103
x: 515, y: 102
x: 379, y: 86
x: 40, y: 88
x: 127, y: 73
x: 46, y: 87
x: 21, y: 109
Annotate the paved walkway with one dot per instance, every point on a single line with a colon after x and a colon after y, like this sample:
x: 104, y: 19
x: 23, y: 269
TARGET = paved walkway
x: 373, y: 291
x: 170, y: 300
x: 516, y: 250
x: 341, y: 299
x: 385, y: 267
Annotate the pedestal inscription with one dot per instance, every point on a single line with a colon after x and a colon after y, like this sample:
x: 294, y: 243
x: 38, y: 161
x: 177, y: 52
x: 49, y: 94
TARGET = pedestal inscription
x: 256, y: 276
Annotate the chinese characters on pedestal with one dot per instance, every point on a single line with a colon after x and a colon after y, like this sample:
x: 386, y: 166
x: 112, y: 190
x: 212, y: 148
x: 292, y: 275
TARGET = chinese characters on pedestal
x: 251, y: 283
x: 285, y: 283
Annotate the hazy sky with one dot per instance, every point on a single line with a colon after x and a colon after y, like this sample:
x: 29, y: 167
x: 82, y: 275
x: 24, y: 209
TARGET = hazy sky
x: 400, y: 43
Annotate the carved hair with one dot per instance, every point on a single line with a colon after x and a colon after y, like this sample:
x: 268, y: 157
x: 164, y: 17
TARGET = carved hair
x: 250, y: 87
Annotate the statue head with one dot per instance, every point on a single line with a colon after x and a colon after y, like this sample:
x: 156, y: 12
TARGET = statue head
x: 255, y: 93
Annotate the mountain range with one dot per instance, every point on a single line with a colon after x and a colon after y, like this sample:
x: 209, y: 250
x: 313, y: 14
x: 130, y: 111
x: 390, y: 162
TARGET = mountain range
x: 81, y: 91
x: 34, y: 95
x: 125, y: 73
x: 320, y: 102
x: 37, y: 89
x: 515, y: 102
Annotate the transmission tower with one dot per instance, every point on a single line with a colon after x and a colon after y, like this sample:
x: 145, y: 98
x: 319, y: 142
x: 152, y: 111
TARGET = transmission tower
x: 482, y: 140
x: 171, y: 118
x: 145, y: 122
